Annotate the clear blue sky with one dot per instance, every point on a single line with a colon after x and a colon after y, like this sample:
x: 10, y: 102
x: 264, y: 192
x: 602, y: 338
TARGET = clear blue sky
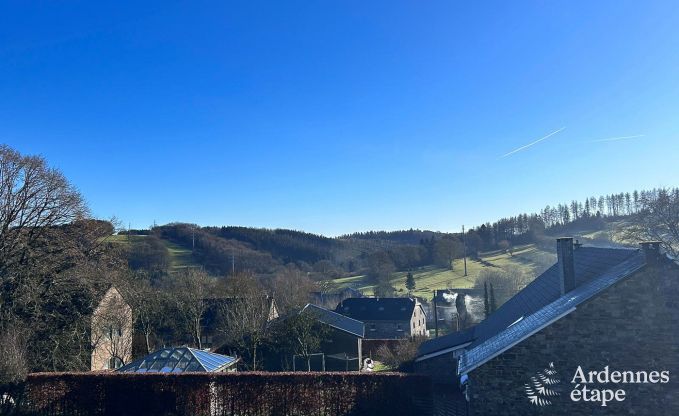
x: 339, y: 116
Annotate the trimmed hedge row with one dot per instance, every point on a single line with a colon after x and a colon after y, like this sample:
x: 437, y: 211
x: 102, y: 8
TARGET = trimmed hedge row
x: 222, y: 394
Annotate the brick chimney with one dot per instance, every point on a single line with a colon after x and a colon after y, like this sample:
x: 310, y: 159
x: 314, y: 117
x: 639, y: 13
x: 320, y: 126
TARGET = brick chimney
x: 652, y: 252
x: 564, y: 254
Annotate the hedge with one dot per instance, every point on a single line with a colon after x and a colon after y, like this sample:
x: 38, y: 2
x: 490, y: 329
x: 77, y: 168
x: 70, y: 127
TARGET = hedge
x: 222, y: 394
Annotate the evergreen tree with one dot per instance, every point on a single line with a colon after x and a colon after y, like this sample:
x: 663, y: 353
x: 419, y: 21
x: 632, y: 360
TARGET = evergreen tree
x: 493, y: 304
x: 486, y: 305
x: 410, y: 282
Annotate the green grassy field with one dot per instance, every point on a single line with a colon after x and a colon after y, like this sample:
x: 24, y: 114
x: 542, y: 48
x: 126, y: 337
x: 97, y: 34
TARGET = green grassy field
x: 180, y: 257
x: 124, y: 239
x: 429, y: 278
x: 614, y: 232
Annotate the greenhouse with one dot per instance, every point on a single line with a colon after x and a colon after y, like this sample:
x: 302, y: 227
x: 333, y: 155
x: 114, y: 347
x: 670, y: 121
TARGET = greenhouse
x: 180, y: 360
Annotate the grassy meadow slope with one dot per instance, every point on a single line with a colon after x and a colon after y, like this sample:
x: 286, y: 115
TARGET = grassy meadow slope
x: 179, y: 256
x: 527, y: 258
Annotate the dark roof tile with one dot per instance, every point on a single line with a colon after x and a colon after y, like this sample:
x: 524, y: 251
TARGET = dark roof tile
x: 589, y: 262
x: 336, y: 320
x: 377, y: 309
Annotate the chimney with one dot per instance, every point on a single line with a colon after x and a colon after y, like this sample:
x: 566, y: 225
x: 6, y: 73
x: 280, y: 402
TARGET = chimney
x: 564, y: 253
x: 652, y: 252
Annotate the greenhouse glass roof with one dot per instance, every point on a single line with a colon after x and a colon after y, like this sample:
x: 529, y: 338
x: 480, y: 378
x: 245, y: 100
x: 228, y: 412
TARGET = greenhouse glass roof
x: 179, y: 360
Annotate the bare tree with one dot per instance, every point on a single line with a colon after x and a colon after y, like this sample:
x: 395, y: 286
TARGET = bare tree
x: 244, y: 319
x: 13, y: 365
x: 191, y: 288
x: 657, y: 219
x: 148, y: 307
x: 446, y: 250
x: 33, y: 198
x: 291, y: 288
x: 400, y: 355
x: 51, y: 259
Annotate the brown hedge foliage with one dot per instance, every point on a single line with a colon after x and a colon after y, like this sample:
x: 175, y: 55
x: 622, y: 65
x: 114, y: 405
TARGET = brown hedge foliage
x: 231, y: 394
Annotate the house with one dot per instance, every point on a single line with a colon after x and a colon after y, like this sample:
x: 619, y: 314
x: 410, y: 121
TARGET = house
x: 180, y: 360
x: 386, y: 318
x: 341, y: 346
x: 603, y: 310
x: 111, y: 332
x: 217, y: 310
x: 330, y: 300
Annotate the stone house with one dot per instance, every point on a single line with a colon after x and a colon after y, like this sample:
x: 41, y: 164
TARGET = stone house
x: 386, y: 318
x: 604, y: 310
x: 111, y: 332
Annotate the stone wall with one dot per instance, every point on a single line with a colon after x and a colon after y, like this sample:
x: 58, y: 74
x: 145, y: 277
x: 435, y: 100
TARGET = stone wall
x: 632, y: 326
x: 387, y: 329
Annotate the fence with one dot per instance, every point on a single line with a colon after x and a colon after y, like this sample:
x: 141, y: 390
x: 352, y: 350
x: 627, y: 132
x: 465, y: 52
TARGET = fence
x: 226, y: 394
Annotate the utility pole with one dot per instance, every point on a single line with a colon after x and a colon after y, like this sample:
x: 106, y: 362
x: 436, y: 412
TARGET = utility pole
x: 436, y: 318
x: 233, y: 264
x: 193, y: 238
x: 464, y: 243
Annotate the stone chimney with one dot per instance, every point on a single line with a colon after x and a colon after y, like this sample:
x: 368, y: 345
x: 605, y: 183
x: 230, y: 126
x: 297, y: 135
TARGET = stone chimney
x: 652, y: 252
x: 564, y: 253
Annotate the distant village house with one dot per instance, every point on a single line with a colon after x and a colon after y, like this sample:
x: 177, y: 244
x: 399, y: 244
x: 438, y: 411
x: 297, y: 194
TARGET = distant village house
x: 386, y: 318
x: 111, y: 332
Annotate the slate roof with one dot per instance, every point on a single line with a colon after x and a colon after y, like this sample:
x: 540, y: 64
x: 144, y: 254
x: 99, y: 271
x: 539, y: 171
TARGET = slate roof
x: 377, y: 309
x: 179, y: 360
x: 336, y: 320
x: 590, y: 264
x: 479, y: 353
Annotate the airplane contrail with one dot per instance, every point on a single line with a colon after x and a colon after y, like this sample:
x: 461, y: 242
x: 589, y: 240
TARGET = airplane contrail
x: 533, y: 143
x: 615, y: 139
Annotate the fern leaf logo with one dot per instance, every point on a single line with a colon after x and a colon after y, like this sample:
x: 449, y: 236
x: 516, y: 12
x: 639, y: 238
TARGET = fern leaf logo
x: 541, y: 390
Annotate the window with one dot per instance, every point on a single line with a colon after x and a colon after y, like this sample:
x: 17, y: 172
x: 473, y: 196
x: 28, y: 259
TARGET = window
x: 399, y: 327
x: 372, y: 327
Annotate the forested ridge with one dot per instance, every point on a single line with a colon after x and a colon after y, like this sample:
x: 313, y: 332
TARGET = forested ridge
x: 56, y: 261
x: 231, y: 249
